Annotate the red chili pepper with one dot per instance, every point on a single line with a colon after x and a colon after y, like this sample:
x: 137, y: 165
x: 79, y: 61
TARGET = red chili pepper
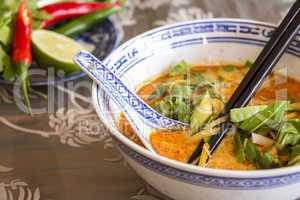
x: 67, y: 10
x: 21, y: 48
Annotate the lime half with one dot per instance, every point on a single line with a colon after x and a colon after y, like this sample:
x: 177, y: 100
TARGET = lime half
x: 51, y: 49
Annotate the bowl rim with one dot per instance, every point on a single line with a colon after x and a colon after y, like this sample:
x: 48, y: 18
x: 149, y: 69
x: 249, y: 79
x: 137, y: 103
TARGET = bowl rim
x: 176, y: 164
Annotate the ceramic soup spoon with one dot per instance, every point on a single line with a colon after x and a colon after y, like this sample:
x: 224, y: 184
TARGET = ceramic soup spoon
x: 141, y: 116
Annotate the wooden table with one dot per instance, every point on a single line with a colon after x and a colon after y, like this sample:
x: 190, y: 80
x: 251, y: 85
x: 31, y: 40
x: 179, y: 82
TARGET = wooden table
x: 53, y: 167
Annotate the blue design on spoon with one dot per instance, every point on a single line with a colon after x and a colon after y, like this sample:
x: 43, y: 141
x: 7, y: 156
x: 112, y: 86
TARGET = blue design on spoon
x: 142, y: 117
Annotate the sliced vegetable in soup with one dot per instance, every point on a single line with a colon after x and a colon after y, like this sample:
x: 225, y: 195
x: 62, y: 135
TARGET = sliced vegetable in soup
x: 266, y: 133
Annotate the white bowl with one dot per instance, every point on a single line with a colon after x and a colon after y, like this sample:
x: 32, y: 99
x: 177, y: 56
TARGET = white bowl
x: 198, y: 42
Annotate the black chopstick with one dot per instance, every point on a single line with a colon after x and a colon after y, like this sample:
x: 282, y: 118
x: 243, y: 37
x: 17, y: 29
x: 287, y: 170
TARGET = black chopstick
x: 269, y: 63
x: 265, y: 70
x: 263, y: 65
x: 265, y: 53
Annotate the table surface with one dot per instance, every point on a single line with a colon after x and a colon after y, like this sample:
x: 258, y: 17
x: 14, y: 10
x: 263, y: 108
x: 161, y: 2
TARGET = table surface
x: 44, y: 157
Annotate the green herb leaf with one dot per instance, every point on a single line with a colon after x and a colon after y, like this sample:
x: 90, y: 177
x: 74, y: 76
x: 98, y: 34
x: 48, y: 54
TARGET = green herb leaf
x: 180, y: 90
x: 9, y: 5
x: 251, y: 151
x: 5, y: 35
x: 174, y: 107
x: 182, y: 109
x: 179, y: 69
x: 266, y: 161
x: 239, y: 150
x: 5, y: 26
x: 197, y: 78
x: 229, y: 68
x: 5, y: 62
x: 248, y: 64
x: 160, y: 91
x: 164, y: 107
x: 9, y: 73
x: 252, y: 154
x: 206, y: 85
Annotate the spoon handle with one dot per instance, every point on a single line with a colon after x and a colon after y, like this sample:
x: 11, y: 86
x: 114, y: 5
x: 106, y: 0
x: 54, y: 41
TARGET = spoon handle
x: 117, y: 90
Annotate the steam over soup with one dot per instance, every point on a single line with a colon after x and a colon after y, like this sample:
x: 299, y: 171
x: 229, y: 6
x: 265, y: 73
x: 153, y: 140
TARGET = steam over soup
x: 266, y: 133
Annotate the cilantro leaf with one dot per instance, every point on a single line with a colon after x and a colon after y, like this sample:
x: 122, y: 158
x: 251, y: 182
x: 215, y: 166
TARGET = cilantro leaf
x: 5, y: 35
x: 180, y: 90
x: 248, y: 64
x: 239, y: 150
x: 5, y: 62
x: 164, y: 107
x: 179, y: 69
x: 159, y: 92
x: 266, y: 160
x: 182, y: 110
x: 251, y: 151
x: 229, y: 68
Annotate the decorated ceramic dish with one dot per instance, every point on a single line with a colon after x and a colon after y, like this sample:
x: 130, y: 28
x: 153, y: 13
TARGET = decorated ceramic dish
x: 202, y: 43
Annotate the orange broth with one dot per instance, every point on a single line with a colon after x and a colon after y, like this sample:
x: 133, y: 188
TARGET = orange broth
x: 177, y: 145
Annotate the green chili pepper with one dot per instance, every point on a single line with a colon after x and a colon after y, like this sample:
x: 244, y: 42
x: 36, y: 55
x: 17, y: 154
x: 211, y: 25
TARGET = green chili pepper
x: 82, y: 24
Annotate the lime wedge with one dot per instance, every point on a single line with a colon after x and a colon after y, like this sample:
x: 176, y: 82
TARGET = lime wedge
x: 51, y: 49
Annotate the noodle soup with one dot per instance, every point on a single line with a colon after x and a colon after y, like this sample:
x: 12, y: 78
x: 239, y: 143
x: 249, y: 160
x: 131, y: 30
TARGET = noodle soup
x: 266, y: 133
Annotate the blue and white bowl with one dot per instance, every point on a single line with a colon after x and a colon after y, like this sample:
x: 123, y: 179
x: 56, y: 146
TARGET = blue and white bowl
x: 198, y: 42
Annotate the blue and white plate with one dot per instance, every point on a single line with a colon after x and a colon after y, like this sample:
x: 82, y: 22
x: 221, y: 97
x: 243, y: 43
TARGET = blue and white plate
x: 100, y: 40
